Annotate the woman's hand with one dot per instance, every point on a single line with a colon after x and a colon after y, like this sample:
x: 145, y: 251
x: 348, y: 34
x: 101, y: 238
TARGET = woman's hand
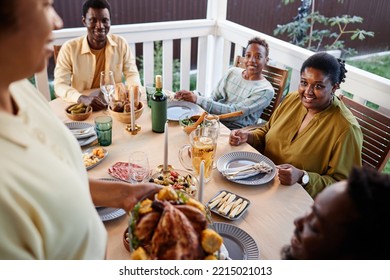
x: 186, y: 96
x: 120, y: 194
x: 288, y: 174
x: 237, y: 137
x: 139, y: 192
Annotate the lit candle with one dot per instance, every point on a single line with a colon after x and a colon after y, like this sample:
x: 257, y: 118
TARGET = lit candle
x: 201, y: 182
x: 165, y: 166
x: 132, y: 111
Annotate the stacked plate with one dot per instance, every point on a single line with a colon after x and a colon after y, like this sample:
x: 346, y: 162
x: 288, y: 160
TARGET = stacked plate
x: 84, y: 132
x: 107, y: 213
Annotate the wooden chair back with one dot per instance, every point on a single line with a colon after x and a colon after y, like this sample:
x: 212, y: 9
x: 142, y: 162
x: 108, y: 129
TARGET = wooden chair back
x: 56, y: 50
x: 376, y: 133
x: 277, y: 77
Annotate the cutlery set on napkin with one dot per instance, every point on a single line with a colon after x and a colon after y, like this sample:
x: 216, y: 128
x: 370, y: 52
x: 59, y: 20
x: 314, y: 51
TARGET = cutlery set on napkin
x: 83, y: 132
x: 247, y: 171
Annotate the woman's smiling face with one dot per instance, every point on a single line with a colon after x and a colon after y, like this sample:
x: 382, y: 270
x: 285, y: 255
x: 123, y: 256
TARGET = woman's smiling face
x: 316, y: 89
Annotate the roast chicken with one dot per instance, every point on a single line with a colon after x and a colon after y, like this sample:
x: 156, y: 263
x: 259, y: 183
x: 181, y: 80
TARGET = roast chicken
x: 173, y: 230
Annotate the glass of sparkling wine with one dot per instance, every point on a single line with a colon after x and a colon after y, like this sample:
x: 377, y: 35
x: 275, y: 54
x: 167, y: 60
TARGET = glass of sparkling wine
x: 107, y: 85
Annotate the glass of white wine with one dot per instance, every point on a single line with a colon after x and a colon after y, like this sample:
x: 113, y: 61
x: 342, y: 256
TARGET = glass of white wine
x: 107, y: 85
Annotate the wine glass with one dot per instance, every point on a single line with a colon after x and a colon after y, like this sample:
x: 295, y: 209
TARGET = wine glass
x: 212, y: 121
x: 139, y: 170
x: 107, y: 85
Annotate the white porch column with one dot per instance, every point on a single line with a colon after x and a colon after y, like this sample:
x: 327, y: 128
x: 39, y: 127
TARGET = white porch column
x: 42, y: 83
x: 216, y: 10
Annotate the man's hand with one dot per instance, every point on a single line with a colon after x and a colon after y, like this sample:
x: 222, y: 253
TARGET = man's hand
x: 96, y: 100
x: 186, y: 96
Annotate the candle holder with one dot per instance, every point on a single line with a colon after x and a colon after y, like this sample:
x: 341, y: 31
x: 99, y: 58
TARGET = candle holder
x: 160, y: 167
x: 137, y: 128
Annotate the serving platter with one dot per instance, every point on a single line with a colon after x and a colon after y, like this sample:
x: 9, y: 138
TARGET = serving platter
x: 120, y: 171
x: 238, y: 159
x: 177, y: 108
x: 239, y: 244
x: 90, y: 152
x: 227, y: 215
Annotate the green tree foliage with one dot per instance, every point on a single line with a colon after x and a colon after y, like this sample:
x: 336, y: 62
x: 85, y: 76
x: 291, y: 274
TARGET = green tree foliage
x: 310, y: 31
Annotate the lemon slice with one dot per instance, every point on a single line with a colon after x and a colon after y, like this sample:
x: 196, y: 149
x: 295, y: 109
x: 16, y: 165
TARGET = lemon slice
x: 205, y: 140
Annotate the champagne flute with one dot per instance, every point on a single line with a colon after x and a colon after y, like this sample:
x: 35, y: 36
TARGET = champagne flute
x: 107, y: 85
x: 139, y: 170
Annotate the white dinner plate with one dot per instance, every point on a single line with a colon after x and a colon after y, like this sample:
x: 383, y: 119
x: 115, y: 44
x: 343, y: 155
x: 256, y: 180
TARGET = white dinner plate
x: 237, y: 159
x: 239, y: 244
x: 107, y: 213
x: 177, y: 108
x: 89, y: 151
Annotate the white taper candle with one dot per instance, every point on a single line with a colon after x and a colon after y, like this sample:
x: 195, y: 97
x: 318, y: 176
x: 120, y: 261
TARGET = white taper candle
x: 201, y: 181
x: 132, y: 110
x: 165, y: 167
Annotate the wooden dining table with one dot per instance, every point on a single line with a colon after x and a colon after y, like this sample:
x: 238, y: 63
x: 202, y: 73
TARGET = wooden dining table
x: 269, y: 219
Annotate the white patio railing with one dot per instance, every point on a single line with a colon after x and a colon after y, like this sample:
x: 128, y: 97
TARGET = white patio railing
x: 216, y: 38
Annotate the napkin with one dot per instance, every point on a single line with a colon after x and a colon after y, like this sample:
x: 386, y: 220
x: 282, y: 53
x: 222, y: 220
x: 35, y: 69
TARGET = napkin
x: 83, y: 133
x: 87, y: 141
x: 241, y: 175
x: 247, y: 171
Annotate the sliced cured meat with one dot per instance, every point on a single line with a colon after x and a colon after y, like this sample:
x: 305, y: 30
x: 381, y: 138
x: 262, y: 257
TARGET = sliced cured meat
x: 120, y: 170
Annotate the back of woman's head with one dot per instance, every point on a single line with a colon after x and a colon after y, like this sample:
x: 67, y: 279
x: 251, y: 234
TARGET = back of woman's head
x: 368, y: 236
x: 330, y: 66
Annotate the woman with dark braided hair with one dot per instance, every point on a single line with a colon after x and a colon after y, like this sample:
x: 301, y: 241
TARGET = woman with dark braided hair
x: 346, y: 221
x: 312, y: 136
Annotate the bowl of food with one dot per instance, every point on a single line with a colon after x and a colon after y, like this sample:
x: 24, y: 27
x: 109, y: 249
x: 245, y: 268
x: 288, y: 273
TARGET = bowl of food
x: 171, y: 226
x: 187, y: 119
x: 78, y: 112
x: 177, y: 179
x: 121, y: 112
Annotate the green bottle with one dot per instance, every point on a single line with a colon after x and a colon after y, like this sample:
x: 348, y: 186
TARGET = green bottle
x: 159, y: 107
